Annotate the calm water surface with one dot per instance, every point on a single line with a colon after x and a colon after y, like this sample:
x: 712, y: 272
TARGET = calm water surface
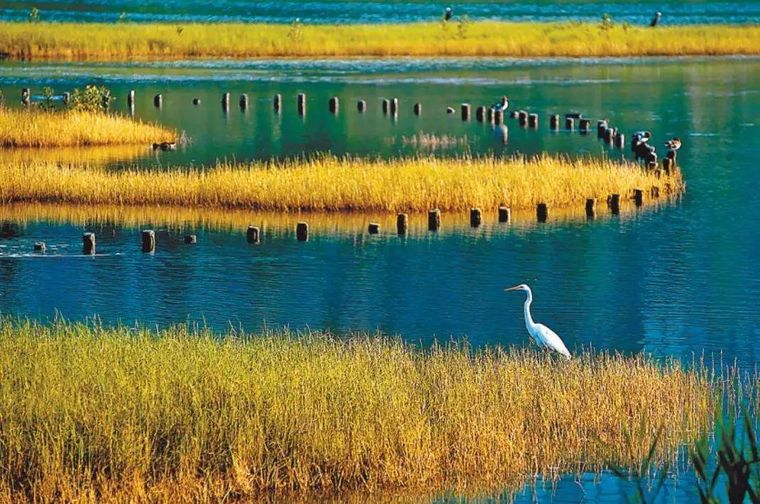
x: 347, y: 11
x: 678, y: 280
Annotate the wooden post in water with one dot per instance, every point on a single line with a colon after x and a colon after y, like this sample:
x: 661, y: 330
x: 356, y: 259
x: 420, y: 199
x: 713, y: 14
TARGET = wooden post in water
x: 591, y: 208
x: 480, y: 114
x: 361, y: 106
x: 148, y: 241
x: 554, y: 122
x: 476, y: 217
x: 373, y: 228
x: 450, y: 110
x: 585, y: 126
x: 533, y: 120
x: 253, y: 235
x: 620, y: 140
x: 667, y: 164
x: 386, y: 105
x: 569, y: 123
x: 418, y: 109
x: 301, y: 104
x: 130, y: 97
x: 609, y: 136
x: 26, y: 96
x: 504, y: 214
x: 638, y: 197
x: 334, y: 105
x: 498, y: 117
x: 191, y: 239
x: 601, y: 127
x: 465, y: 107
x: 490, y: 115
x: 542, y: 212
x: 40, y: 247
x: 615, y: 203
x: 244, y: 102
x: 196, y: 101
x: 394, y: 106
x: 158, y: 101
x: 402, y: 223
x: 277, y: 103
x: 226, y: 102
x: 88, y: 243
x: 522, y: 118
x: 434, y: 220
x: 302, y: 231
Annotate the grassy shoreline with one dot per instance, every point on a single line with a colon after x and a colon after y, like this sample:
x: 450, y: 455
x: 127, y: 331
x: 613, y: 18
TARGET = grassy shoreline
x: 39, y: 129
x: 330, y: 184
x: 101, y: 41
x: 117, y: 413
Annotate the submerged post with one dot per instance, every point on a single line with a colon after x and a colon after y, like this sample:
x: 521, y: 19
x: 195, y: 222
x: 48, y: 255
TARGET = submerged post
x: 620, y: 140
x: 569, y: 123
x: 638, y: 197
x: 542, y: 212
x: 373, y: 228
x: 402, y: 223
x: 361, y: 106
x: 585, y: 126
x: 386, y: 105
x: 191, y: 239
x: 498, y: 117
x: 480, y: 114
x: 615, y: 203
x: 434, y: 220
x: 418, y: 109
x: 334, y: 104
x: 158, y: 101
x: 667, y: 164
x: 533, y: 120
x: 504, y: 214
x: 148, y: 241
x: 88, y: 243
x: 302, y: 231
x: 131, y: 97
x: 277, y: 102
x: 554, y: 122
x: 244, y: 102
x: 591, y: 208
x: 465, y: 107
x: 394, y: 106
x: 476, y: 217
x: 601, y: 127
x: 226, y: 102
x: 609, y: 135
x: 522, y: 118
x: 301, y: 104
x: 196, y: 101
x: 252, y: 235
x: 40, y: 247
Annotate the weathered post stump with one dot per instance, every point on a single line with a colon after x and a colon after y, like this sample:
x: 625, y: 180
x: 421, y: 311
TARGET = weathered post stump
x: 476, y: 217
x: 196, y: 101
x: 361, y: 106
x: 418, y: 109
x: 554, y: 122
x: 88, y: 243
x: 542, y: 212
x: 638, y: 197
x: 498, y: 117
x: 277, y: 102
x: 619, y: 140
x: 301, y: 101
x: 615, y: 203
x: 158, y: 101
x: 191, y: 239
x: 40, y: 247
x: 386, y: 105
x: 480, y: 114
x: 402, y: 223
x: 26, y: 96
x: 667, y: 165
x: 334, y: 104
x: 591, y: 208
x: 302, y: 231
x: 130, y: 97
x: 148, y: 240
x: 226, y: 102
x: 504, y: 214
x: 569, y: 123
x: 585, y: 126
x: 253, y: 235
x: 434, y: 220
x: 450, y: 110
x: 609, y: 135
x: 601, y: 127
x: 465, y: 108
x: 533, y: 121
x: 394, y: 106
x: 373, y: 228
x: 244, y: 102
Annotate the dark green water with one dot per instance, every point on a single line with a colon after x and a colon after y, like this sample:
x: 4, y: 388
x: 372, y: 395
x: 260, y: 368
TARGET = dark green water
x: 680, y: 280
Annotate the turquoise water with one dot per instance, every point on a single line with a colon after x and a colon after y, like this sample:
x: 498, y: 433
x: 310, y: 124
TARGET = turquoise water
x: 677, y: 280
x: 342, y: 11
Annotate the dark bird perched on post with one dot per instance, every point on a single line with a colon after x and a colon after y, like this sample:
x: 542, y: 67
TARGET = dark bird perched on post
x: 447, y: 14
x: 501, y: 105
x: 641, y: 148
x: 673, y: 145
x: 655, y: 19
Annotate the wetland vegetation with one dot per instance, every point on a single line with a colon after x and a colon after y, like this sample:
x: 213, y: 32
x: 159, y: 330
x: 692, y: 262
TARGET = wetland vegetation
x: 127, y: 41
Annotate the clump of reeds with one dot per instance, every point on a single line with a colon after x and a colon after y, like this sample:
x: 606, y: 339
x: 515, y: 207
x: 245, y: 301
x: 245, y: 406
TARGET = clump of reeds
x: 91, y: 413
x: 38, y: 128
x: 483, y: 38
x: 339, y: 184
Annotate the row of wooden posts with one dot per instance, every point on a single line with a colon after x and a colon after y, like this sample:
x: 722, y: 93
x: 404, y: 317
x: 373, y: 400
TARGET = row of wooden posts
x: 253, y: 233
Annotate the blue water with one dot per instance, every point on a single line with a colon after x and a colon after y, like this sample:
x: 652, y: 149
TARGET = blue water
x: 316, y: 12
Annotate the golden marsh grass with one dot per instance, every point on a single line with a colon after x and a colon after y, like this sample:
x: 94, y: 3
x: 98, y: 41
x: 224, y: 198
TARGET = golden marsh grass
x: 112, y: 414
x: 341, y: 184
x: 99, y: 41
x: 36, y: 128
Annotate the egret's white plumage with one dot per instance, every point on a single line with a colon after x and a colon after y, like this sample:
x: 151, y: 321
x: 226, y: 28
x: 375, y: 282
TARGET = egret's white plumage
x: 542, y: 335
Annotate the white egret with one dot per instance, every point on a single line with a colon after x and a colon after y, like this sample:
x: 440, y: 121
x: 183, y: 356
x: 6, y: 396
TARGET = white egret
x: 542, y: 335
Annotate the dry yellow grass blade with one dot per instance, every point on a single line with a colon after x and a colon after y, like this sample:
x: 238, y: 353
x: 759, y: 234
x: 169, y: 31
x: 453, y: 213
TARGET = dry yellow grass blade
x: 36, y: 128
x: 99, y: 41
x: 341, y: 184
x: 91, y: 413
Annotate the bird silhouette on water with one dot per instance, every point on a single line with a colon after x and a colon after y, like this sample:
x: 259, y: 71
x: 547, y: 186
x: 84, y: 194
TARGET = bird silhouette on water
x: 447, y: 13
x: 673, y: 145
x: 655, y: 19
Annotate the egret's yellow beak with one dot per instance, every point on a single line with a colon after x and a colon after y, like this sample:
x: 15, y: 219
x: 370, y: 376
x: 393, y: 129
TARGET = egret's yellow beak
x: 516, y: 287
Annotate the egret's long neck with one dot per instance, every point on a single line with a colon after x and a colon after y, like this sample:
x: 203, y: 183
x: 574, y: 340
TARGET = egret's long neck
x: 528, y: 319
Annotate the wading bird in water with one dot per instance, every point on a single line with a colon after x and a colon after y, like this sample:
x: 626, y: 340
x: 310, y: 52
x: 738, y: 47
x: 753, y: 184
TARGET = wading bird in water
x: 542, y: 335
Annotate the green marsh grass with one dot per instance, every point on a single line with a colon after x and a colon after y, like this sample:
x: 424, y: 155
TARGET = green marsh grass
x: 38, y: 129
x: 99, y: 41
x: 91, y: 413
x: 341, y: 184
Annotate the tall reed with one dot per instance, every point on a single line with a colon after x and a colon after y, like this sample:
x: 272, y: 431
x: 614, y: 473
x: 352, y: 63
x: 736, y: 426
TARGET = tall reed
x: 339, y: 184
x: 100, y: 41
x: 94, y: 414
x: 37, y: 128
